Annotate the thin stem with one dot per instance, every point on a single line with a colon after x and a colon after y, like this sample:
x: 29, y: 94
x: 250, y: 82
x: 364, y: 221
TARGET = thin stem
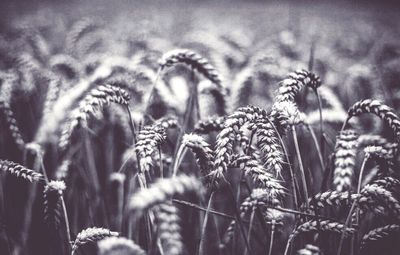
x: 271, y: 241
x: 205, y: 221
x: 353, y: 206
x: 189, y: 204
x: 40, y: 156
x: 253, y: 212
x: 288, y: 244
x: 189, y: 109
x: 238, y: 219
x: 67, y: 230
x: 345, y: 123
x: 224, y: 215
x: 303, y: 177
x: 131, y: 124
x: 178, y: 159
x: 321, y: 121
x: 161, y: 162
x: 314, y: 137
x: 153, y: 88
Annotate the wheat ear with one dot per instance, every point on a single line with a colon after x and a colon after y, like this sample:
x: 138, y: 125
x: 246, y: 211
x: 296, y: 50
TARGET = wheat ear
x: 168, y: 228
x: 226, y: 138
x: 291, y: 86
x: 379, y: 109
x: 379, y: 234
x: 91, y: 235
x: 52, y: 203
x: 309, y: 249
x: 345, y: 160
x: 209, y: 125
x: 148, y: 140
x: 119, y: 245
x: 162, y: 190
x: 202, y: 151
x: 91, y: 104
x: 320, y: 226
x: 20, y: 171
x: 12, y: 124
x: 260, y: 176
x: 194, y: 60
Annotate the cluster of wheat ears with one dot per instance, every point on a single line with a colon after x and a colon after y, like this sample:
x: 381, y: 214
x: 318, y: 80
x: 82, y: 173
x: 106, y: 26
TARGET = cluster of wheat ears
x: 132, y: 145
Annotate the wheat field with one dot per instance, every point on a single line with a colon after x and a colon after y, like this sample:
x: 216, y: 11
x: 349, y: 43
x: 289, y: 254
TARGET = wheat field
x: 199, y: 128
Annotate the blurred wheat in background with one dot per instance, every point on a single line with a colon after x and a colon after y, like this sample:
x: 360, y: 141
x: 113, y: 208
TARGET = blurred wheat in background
x: 186, y: 127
